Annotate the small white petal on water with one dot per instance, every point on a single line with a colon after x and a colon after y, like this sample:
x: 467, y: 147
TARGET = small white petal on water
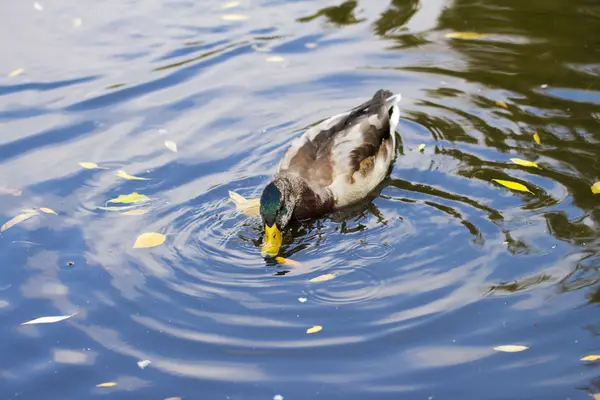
x: 38, y: 6
x: 302, y: 299
x: 234, y: 17
x: 171, y: 145
x: 143, y: 363
x: 275, y: 59
x: 77, y: 22
x: 511, y: 348
x: 47, y: 320
x: 278, y: 397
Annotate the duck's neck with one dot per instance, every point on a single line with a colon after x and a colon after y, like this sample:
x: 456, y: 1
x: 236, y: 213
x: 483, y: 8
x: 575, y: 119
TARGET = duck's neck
x: 310, y: 202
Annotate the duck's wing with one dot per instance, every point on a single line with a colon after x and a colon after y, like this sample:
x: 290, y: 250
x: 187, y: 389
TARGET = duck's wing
x: 349, y: 153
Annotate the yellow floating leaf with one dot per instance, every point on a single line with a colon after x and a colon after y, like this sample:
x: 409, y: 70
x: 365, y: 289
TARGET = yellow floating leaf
x: 141, y: 211
x: 149, y: 239
x: 89, y: 165
x: 287, y: 261
x: 234, y: 17
x: 19, y: 218
x: 596, y: 188
x: 314, y: 329
x: 323, y: 278
x: 310, y: 45
x: 231, y: 4
x: 250, y: 207
x: 47, y: 320
x: 513, y: 185
x: 536, y: 138
x: 125, y: 175
x: 28, y: 211
x: 275, y: 59
x: 465, y: 35
x: 500, y: 103
x: 596, y: 396
x: 171, y: 145
x: 524, y: 163
x: 510, y: 348
x: 591, y: 358
x: 421, y: 147
x: 16, y: 72
x: 107, y: 384
x: 134, y: 197
x: 77, y: 22
x: 47, y: 210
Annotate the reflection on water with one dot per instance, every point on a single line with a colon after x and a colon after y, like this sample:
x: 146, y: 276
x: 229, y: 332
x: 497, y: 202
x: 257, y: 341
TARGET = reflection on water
x: 437, y: 268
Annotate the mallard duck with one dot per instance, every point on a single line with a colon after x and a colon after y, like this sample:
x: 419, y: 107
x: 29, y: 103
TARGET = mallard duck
x: 333, y: 164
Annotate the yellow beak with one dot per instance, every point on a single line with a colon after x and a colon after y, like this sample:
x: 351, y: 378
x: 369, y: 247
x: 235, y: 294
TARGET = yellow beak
x: 272, y: 242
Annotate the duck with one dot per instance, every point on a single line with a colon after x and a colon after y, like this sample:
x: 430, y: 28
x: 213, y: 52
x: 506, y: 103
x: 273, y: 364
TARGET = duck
x: 334, y: 164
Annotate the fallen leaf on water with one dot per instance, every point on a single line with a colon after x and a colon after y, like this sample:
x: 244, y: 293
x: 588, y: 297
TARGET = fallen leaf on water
x: 310, y: 45
x: 323, y: 278
x: 47, y: 210
x: 173, y: 398
x: 314, y: 329
x: 171, y: 145
x: 11, y: 191
x: 90, y: 165
x: 250, y: 207
x: 513, y: 185
x: 465, y: 35
x: 149, y: 239
x: 275, y: 59
x: 596, y: 396
x: 592, y: 357
x: 510, y: 348
x: 77, y: 22
x: 28, y: 211
x: 134, y: 197
x: 231, y: 4
x: 596, y: 188
x: 107, y: 384
x: 234, y: 17
x: 19, y: 218
x: 38, y: 6
x: 421, y: 147
x: 287, y: 261
x: 536, y: 138
x: 141, y: 211
x: 16, y: 72
x: 501, y: 104
x: 524, y: 163
x: 125, y: 175
x: 144, y: 363
x: 47, y: 320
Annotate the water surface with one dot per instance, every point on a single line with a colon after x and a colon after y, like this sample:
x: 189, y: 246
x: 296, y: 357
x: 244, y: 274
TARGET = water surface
x: 441, y: 267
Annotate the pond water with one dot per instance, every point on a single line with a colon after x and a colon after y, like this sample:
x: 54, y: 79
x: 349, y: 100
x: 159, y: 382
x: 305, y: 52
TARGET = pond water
x: 444, y: 265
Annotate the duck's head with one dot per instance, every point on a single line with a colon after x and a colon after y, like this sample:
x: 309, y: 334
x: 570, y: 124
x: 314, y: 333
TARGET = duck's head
x: 276, y: 208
